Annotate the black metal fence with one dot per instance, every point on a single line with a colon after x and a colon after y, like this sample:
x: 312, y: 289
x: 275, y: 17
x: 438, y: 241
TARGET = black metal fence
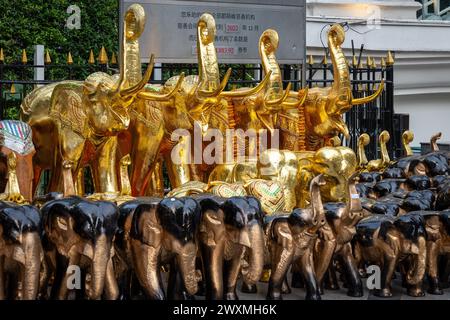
x: 17, y: 80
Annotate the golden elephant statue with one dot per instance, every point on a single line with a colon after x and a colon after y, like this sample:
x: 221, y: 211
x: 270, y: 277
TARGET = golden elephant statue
x: 294, y: 171
x: 76, y: 123
x: 320, y: 119
x: 154, y: 115
x: 208, y: 107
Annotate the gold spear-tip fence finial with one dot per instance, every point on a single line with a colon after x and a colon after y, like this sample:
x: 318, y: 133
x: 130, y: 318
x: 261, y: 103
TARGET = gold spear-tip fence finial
x: 47, y: 59
x: 383, y: 62
x: 325, y: 60
x: 373, y: 64
x: 91, y: 57
x: 69, y: 58
x: 13, y: 89
x: 103, y: 56
x: 354, y: 61
x: 24, y: 57
x: 113, y: 59
x: 390, y: 59
x: 2, y: 57
x: 369, y: 62
x: 310, y: 60
x: 360, y: 87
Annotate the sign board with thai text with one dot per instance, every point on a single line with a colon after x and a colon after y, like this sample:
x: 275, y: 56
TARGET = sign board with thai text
x: 170, y: 31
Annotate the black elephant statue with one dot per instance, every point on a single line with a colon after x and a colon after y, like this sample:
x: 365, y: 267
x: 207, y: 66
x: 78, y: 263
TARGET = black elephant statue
x: 231, y: 231
x: 386, y: 241
x: 79, y: 232
x: 20, y: 251
x: 155, y: 232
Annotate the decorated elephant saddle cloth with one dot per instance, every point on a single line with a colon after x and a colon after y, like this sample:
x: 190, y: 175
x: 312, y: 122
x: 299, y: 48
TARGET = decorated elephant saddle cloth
x: 17, y: 136
x: 271, y: 194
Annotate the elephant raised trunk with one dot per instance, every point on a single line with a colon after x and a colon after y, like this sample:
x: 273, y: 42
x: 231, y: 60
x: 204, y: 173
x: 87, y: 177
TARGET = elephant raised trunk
x: 341, y: 85
x: 186, y: 262
x: 255, y: 255
x: 316, y: 201
x: 416, y: 273
x: 100, y: 260
x: 32, y: 254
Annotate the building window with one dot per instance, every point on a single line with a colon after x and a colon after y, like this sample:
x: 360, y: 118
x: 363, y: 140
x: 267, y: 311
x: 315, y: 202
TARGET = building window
x: 434, y: 10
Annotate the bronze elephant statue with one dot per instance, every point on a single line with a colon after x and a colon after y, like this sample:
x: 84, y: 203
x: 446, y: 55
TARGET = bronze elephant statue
x: 342, y: 218
x: 79, y: 232
x: 291, y: 239
x: 387, y: 241
x: 21, y: 252
x: 437, y: 226
x: 155, y: 232
x: 230, y: 230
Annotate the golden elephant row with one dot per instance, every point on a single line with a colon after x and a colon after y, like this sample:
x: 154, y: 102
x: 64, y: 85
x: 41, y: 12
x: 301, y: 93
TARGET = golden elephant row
x: 96, y: 122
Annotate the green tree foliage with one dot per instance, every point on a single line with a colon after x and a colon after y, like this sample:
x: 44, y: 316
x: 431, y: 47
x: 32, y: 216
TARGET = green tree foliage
x: 24, y: 23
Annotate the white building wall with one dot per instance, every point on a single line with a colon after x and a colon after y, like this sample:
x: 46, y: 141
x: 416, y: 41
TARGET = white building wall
x: 422, y: 54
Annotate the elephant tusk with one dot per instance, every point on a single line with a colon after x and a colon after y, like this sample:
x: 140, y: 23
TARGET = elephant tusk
x: 371, y: 97
x: 272, y: 103
x: 138, y: 87
x: 247, y: 92
x: 300, y: 102
x: 147, y: 95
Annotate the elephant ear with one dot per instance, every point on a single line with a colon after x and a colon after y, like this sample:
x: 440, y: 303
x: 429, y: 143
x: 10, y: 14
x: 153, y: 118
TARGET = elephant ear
x: 283, y: 235
x: 145, y: 226
x: 67, y: 107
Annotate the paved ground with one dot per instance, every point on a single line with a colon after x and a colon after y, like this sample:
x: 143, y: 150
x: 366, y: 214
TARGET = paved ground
x: 399, y: 293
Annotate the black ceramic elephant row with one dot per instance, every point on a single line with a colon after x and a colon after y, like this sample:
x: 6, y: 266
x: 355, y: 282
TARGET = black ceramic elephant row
x: 177, y: 231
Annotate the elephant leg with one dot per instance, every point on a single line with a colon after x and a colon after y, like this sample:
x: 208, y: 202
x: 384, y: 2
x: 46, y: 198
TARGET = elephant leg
x: 79, y: 182
x: 143, y: 159
x: 155, y: 186
x: 111, y: 286
x: 330, y: 280
x: 231, y: 270
x: 281, y: 260
x: 37, y: 170
x: 308, y: 271
x: 297, y: 280
x: 2, y: 278
x: 323, y: 259
x: 175, y: 287
x: 148, y: 271
x: 390, y: 261
x: 104, y: 167
x: 285, y: 289
x: 178, y: 174
x: 354, y: 283
x: 60, y: 269
x: 432, y: 267
x: 12, y: 287
x: 61, y: 276
x: 444, y: 271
